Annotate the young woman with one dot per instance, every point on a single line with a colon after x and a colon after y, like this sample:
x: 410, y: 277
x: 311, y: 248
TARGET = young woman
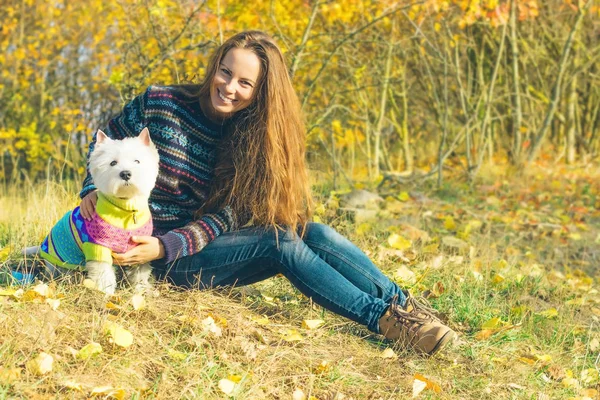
x: 232, y: 150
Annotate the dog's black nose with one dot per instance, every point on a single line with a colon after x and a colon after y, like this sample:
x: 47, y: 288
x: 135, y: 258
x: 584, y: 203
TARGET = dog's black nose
x: 125, y: 175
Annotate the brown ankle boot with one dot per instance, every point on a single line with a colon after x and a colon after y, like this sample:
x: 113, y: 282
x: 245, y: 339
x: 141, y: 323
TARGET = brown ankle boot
x: 416, y: 326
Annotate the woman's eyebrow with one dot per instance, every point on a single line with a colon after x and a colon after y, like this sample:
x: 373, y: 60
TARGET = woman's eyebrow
x: 244, y: 79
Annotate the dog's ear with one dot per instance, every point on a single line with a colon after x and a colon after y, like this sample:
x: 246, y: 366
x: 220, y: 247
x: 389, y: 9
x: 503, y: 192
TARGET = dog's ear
x: 145, y: 137
x: 101, y: 137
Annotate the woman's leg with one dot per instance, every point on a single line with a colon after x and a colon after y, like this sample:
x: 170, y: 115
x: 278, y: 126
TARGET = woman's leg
x: 253, y: 254
x: 351, y: 262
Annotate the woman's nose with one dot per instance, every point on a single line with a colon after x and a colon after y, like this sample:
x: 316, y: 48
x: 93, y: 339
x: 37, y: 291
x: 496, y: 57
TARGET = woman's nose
x: 230, y: 86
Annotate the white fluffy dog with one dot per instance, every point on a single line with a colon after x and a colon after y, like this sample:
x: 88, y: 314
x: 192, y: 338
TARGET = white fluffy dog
x: 124, y: 171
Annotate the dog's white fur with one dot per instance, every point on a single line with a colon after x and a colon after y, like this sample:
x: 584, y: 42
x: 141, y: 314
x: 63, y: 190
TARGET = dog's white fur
x: 139, y: 156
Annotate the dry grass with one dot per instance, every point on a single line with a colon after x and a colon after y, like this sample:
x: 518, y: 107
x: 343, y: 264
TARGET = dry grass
x: 508, y: 273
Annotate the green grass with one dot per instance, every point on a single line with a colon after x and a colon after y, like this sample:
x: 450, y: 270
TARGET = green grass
x: 535, y: 250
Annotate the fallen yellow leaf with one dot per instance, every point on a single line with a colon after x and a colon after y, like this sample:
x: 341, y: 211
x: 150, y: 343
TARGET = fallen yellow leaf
x: 138, y: 302
x: 550, y: 313
x: 88, y: 283
x: 312, y: 323
x: 438, y: 289
x: 576, y: 302
x: 221, y: 321
x: 70, y: 384
x: 484, y: 334
x: 405, y: 275
x: 211, y: 327
x: 594, y: 345
x: 53, y: 303
x: 528, y: 359
x: 40, y: 291
x: 108, y: 392
x: 403, y: 196
x: 40, y: 365
x: 428, y: 384
x: 176, y: 355
x: 298, y: 395
x: 89, y: 350
x: 570, y: 382
x: 449, y: 223
x: 589, y: 376
x: 492, y: 323
x: 4, y: 253
x: 363, y: 228
x: 589, y: 393
x: 388, y: 353
x: 9, y: 375
x: 455, y: 243
x: 112, y: 306
x: 292, y: 335
x: 8, y: 292
x: 119, y: 335
x: 226, y: 386
x: 322, y: 367
x: 235, y: 378
x: 398, y: 242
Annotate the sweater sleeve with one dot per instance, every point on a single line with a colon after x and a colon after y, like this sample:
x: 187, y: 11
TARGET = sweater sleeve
x: 128, y: 123
x: 192, y: 238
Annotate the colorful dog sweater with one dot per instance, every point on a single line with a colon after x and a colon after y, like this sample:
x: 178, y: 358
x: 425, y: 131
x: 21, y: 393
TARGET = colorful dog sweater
x: 73, y: 241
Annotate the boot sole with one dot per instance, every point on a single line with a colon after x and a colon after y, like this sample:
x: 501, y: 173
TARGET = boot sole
x: 443, y: 341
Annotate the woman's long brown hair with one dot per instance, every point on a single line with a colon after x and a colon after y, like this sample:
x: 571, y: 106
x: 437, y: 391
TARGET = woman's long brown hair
x: 261, y: 170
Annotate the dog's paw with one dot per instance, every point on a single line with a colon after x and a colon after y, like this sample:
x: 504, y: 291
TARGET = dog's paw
x: 139, y: 277
x: 103, y: 275
x: 30, y: 251
x: 106, y: 284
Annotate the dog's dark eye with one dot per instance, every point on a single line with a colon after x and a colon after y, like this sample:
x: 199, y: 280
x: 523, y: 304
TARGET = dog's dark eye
x: 136, y: 161
x: 113, y: 163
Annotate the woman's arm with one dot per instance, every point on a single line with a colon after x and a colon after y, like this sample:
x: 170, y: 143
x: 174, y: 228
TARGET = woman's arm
x: 192, y: 238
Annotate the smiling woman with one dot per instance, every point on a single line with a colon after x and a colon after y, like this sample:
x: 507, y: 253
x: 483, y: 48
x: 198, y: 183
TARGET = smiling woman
x: 233, y: 85
x: 239, y: 157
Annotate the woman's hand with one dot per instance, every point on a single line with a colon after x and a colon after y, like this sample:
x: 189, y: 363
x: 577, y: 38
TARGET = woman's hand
x: 88, y: 205
x: 149, y: 248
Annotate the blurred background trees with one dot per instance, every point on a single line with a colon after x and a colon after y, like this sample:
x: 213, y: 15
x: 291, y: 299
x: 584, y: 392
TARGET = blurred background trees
x: 391, y: 90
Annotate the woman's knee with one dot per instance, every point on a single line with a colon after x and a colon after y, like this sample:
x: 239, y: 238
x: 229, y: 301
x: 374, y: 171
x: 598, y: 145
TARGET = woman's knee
x: 323, y: 234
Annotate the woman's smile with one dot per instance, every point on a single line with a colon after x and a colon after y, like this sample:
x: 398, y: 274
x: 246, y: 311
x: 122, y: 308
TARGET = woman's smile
x: 234, y: 83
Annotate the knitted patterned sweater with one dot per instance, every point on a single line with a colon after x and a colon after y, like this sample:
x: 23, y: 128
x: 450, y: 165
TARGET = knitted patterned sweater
x: 186, y: 141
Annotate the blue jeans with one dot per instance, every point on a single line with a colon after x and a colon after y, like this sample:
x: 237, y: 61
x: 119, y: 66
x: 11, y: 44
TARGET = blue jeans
x: 324, y: 266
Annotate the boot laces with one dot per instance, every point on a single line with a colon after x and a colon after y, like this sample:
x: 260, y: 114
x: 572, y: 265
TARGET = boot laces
x: 422, y: 306
x: 403, y: 316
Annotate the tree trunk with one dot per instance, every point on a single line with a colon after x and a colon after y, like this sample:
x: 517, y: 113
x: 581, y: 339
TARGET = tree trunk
x: 382, y: 106
x: 517, y: 142
x: 541, y: 135
x: 571, y: 122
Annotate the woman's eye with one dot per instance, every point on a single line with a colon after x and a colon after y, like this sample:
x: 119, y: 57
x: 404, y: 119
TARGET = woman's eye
x: 225, y: 71
x: 113, y: 163
x: 136, y: 161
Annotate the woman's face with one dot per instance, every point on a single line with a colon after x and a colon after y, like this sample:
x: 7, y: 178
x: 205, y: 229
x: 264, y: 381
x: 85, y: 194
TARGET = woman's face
x: 235, y: 81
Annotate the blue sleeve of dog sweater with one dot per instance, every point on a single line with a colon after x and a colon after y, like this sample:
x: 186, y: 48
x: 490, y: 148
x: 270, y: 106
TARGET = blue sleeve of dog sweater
x: 128, y: 123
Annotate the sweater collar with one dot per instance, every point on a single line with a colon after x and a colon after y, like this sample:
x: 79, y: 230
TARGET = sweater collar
x: 132, y: 204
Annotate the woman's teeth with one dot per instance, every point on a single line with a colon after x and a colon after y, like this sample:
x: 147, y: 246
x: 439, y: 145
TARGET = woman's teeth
x: 225, y: 99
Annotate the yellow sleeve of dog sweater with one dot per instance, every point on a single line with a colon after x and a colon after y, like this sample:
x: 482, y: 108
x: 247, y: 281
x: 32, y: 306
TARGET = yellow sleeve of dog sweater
x: 95, y: 252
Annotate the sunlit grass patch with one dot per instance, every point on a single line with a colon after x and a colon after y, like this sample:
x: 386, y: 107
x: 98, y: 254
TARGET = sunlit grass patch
x: 516, y: 283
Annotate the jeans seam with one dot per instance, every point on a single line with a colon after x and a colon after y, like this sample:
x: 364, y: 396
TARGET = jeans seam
x: 322, y: 295
x: 341, y: 257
